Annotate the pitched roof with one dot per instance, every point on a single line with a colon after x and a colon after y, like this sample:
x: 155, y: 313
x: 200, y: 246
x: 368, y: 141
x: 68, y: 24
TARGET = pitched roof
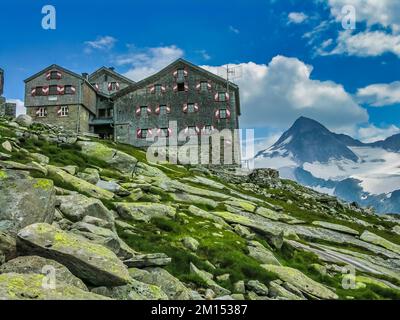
x: 112, y: 73
x: 171, y: 66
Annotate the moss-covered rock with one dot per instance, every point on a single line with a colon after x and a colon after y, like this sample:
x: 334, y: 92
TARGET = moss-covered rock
x: 301, y: 281
x: 336, y: 227
x: 87, y: 260
x: 115, y: 158
x: 14, y: 286
x: 136, y: 290
x: 192, y: 199
x: 379, y: 241
x: 38, y: 265
x: 78, y: 184
x: 144, y: 211
x: 25, y: 200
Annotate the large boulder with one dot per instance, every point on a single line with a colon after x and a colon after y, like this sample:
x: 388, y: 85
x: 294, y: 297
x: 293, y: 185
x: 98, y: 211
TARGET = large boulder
x: 24, y: 200
x: 301, y: 281
x: 136, y: 290
x: 39, y: 265
x: 14, y: 286
x: 8, y: 247
x: 24, y: 120
x: 261, y: 254
x: 89, y: 261
x: 336, y: 227
x: 77, y: 206
x: 148, y: 260
x: 115, y: 158
x: 78, y: 184
x: 208, y: 279
x: 144, y: 211
x: 379, y: 241
x: 161, y: 278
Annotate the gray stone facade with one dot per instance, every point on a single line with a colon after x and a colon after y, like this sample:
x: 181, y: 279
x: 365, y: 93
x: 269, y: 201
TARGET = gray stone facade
x: 7, y: 109
x: 182, y: 98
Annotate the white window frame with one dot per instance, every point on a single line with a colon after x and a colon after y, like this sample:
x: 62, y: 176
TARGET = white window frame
x: 203, y: 86
x: 191, y: 108
x: 225, y: 114
x: 64, y: 111
x: 42, y: 112
x: 222, y: 95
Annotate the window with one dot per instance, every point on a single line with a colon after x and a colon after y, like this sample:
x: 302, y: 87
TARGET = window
x: 53, y: 90
x: 191, y: 130
x: 191, y: 108
x: 181, y: 86
x: 158, y: 88
x: 39, y: 91
x: 42, y: 112
x: 69, y: 89
x: 54, y: 75
x: 143, y: 110
x: 102, y: 113
x: 208, y: 128
x: 144, y: 133
x: 180, y: 75
x: 113, y: 86
x: 163, y: 109
x: 221, y: 96
x: 222, y: 114
x: 203, y: 86
x: 64, y: 111
x: 164, y: 132
x: 106, y: 77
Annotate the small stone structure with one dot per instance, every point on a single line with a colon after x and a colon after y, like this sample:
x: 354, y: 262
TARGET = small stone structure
x: 6, y: 109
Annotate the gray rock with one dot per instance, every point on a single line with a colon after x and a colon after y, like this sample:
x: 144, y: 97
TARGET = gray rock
x: 86, y: 260
x: 8, y: 247
x: 144, y: 211
x: 208, y: 279
x: 135, y: 290
x: 30, y: 287
x: 174, y: 289
x: 24, y: 120
x: 261, y: 254
x: 6, y: 145
x: 257, y: 287
x: 39, y: 265
x: 148, y: 260
x: 239, y: 287
x: 190, y: 243
x: 75, y: 207
x: 24, y: 200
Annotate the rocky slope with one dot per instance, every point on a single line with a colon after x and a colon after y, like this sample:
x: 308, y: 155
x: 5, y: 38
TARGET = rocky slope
x: 82, y: 218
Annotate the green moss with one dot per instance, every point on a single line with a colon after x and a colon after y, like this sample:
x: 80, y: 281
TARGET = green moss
x: 3, y: 175
x: 44, y: 184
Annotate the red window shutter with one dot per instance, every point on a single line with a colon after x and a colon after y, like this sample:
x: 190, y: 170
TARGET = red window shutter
x: 157, y: 111
x: 185, y: 108
x: 59, y: 75
x: 109, y: 86
x: 175, y: 74
x: 45, y: 90
x: 175, y: 88
x: 152, y: 89
x: 216, y: 97
x: 163, y: 89
x: 61, y: 90
x: 149, y: 110
x: 198, y: 86
x: 209, y: 85
x: 186, y: 87
x: 228, y: 113
x: 186, y: 72
x: 59, y: 111
x: 196, y: 107
x: 33, y: 92
x: 138, y: 111
x: 217, y: 114
x: 168, y: 109
x: 227, y: 96
x: 138, y: 133
x: 48, y: 75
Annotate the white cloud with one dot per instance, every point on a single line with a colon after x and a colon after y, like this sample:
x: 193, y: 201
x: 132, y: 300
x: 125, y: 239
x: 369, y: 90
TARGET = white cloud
x: 145, y: 62
x: 297, y: 17
x: 381, y: 94
x: 371, y: 133
x: 204, y: 54
x: 276, y: 94
x: 374, y: 12
x: 364, y: 44
x: 101, y: 43
x: 234, y: 30
x: 20, y: 105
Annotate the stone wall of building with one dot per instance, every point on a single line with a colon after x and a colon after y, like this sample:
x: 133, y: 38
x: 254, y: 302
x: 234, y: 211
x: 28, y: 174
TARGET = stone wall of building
x: 78, y: 117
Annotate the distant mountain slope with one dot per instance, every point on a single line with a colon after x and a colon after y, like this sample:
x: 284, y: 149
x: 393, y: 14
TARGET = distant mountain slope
x: 308, y: 141
x: 337, y: 164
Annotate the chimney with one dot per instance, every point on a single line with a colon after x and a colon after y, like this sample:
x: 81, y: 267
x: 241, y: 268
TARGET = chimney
x: 85, y: 75
x: 111, y: 68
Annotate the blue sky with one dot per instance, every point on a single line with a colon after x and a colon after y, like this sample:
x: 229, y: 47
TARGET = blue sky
x: 295, y: 57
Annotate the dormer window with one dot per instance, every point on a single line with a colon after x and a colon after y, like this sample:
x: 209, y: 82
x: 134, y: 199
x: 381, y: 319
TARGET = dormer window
x: 180, y: 75
x: 221, y: 96
x: 53, y: 75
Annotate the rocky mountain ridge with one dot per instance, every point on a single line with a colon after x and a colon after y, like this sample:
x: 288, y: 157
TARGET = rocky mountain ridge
x: 82, y: 218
